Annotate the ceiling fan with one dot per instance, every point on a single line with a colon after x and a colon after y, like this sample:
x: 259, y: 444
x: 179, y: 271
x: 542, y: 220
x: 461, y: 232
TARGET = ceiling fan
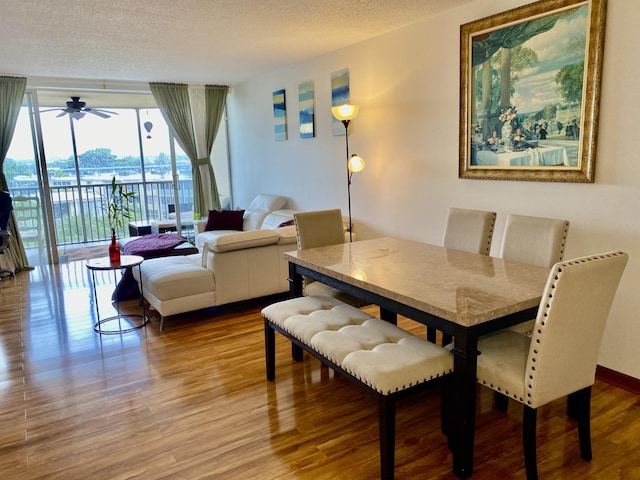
x: 77, y: 109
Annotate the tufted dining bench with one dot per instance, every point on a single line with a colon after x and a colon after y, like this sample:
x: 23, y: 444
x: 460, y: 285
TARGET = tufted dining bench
x: 380, y: 357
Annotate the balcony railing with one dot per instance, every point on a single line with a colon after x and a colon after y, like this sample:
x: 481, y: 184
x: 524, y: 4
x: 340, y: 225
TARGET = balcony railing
x: 80, y: 212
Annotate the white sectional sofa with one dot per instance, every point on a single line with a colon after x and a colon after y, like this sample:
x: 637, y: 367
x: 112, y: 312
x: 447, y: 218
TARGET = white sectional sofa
x: 232, y: 265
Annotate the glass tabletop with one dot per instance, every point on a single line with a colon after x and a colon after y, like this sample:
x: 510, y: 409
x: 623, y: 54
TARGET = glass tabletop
x: 104, y: 263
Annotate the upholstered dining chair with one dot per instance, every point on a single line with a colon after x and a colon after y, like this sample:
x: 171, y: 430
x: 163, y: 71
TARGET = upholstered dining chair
x: 534, y: 240
x: 469, y: 230
x: 320, y: 228
x: 537, y: 241
x: 560, y: 358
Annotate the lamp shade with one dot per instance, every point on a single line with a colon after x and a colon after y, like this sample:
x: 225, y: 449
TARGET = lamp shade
x: 345, y: 112
x: 356, y: 163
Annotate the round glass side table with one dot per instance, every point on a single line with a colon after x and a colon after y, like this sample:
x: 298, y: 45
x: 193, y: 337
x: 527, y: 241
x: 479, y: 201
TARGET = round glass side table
x: 125, y: 322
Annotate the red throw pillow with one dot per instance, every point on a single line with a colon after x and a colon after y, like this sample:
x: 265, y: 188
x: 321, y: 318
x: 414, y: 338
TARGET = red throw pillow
x: 224, y: 220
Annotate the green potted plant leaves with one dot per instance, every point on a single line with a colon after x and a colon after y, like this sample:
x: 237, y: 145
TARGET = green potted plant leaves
x: 118, y: 209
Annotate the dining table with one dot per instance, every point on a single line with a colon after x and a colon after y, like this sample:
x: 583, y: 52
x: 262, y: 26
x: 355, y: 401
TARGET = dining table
x: 464, y: 295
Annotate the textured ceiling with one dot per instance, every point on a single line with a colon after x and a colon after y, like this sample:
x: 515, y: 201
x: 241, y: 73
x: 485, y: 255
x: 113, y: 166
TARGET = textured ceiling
x: 190, y: 41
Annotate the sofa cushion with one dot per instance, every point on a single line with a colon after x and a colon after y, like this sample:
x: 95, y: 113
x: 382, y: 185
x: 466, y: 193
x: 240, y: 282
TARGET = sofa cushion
x: 224, y: 220
x: 260, y: 208
x: 277, y: 218
x: 286, y: 235
x: 253, y: 219
x: 267, y: 203
x: 211, y: 236
x: 228, y: 241
x: 175, y: 277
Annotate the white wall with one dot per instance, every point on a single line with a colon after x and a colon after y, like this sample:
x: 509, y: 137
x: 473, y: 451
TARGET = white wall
x: 407, y: 86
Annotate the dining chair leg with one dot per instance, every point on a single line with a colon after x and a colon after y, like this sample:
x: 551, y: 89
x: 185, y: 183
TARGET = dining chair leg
x: 529, y: 442
x: 501, y: 401
x: 387, y: 423
x: 580, y: 405
x: 574, y: 404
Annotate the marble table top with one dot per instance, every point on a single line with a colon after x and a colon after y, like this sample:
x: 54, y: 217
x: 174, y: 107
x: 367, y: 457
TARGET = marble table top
x: 461, y: 287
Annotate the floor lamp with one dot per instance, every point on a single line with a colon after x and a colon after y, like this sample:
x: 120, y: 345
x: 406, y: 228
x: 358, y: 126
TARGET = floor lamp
x: 345, y: 113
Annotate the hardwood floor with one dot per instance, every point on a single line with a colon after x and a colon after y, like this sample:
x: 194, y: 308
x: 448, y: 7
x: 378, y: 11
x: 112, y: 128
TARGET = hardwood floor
x: 193, y: 403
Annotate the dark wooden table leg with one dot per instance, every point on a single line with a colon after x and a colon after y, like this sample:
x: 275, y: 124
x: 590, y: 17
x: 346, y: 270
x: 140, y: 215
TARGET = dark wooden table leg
x: 463, y: 415
x: 388, y: 316
x: 295, y: 281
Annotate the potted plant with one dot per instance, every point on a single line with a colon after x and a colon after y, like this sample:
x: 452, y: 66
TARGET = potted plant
x: 118, y: 209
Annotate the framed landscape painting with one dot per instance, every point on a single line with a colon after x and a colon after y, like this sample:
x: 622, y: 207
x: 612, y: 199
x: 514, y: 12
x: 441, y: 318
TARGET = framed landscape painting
x: 530, y: 92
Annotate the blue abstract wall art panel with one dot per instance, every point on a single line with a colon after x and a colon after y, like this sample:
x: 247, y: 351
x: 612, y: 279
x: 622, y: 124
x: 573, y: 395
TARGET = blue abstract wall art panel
x: 280, y: 115
x: 339, y: 96
x: 307, y: 109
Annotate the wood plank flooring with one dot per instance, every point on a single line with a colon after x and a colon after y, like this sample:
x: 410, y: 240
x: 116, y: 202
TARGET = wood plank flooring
x: 193, y: 403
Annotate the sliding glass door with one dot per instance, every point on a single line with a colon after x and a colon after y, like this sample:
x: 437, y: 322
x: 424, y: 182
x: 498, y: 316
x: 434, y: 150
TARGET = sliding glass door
x: 66, y: 162
x: 22, y: 168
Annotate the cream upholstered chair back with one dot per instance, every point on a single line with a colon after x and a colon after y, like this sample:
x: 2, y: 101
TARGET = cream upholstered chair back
x: 319, y: 228
x: 569, y: 326
x: 560, y: 358
x: 469, y: 230
x: 534, y: 240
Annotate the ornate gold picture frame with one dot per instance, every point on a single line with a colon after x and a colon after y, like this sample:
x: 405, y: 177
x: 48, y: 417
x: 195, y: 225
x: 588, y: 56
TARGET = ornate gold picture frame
x: 530, y: 92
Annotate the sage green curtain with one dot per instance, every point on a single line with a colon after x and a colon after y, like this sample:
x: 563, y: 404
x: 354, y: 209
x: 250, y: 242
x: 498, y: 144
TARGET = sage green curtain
x: 11, y: 94
x: 175, y: 105
x: 173, y: 101
x: 215, y: 100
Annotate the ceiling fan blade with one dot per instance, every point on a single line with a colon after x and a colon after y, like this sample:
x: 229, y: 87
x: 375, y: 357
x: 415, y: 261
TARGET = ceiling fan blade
x: 96, y: 112
x: 62, y: 114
